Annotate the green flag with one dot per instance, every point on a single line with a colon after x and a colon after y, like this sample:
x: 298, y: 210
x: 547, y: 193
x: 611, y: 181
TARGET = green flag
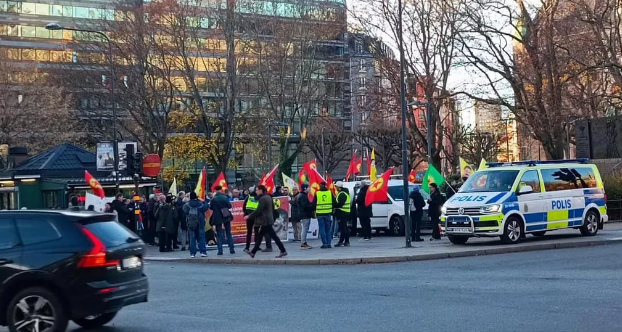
x: 432, y: 175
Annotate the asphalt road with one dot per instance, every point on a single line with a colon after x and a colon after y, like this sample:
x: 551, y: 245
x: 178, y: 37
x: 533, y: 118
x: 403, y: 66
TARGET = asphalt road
x: 554, y: 290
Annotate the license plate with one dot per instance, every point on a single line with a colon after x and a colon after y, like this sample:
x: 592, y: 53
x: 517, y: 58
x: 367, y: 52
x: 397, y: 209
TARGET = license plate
x: 459, y: 230
x: 132, y: 263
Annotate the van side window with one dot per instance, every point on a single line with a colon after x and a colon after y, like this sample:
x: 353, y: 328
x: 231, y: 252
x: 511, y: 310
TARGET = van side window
x: 531, y: 178
x: 567, y: 178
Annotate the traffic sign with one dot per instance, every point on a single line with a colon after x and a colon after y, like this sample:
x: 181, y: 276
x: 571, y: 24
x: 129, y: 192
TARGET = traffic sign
x: 151, y: 165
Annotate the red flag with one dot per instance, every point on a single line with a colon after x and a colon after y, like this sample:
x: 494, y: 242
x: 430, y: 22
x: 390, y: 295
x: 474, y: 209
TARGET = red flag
x: 368, y: 164
x: 94, y: 184
x: 330, y: 184
x: 379, y: 189
x: 314, y: 178
x: 268, y: 179
x: 220, y: 181
x: 309, y: 165
x: 358, y: 166
x: 352, y: 167
x: 302, y: 178
x: 412, y: 177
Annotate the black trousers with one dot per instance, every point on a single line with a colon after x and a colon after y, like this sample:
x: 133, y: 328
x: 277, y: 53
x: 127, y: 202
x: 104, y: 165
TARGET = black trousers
x: 343, y: 229
x: 166, y: 241
x: 267, y: 230
x: 366, y: 227
x: 436, y: 232
x: 249, y: 235
x: 415, y: 219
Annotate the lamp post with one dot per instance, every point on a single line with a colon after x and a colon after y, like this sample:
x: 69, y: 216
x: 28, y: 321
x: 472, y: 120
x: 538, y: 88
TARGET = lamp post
x: 270, y: 126
x: 56, y: 26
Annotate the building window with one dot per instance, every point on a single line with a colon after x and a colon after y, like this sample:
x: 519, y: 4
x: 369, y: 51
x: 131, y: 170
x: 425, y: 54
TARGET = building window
x: 13, y: 7
x: 362, y: 82
x: 28, y: 8
x: 57, y: 10
x: 43, y: 9
x: 68, y: 11
x: 42, y: 32
x: 362, y: 65
x: 28, y: 32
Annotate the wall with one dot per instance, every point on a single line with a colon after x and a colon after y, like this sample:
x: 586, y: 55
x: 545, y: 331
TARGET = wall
x: 30, y: 195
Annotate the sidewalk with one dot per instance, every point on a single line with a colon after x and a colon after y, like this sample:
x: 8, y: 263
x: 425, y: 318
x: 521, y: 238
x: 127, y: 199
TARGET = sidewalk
x: 386, y: 249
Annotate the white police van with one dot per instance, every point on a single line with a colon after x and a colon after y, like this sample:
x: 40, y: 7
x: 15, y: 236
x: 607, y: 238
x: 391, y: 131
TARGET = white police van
x: 389, y: 216
x: 510, y: 200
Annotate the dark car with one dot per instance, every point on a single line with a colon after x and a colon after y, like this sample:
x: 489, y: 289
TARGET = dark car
x: 57, y: 266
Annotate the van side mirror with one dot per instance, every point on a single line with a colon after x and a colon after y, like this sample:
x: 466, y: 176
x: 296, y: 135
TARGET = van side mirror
x: 525, y: 190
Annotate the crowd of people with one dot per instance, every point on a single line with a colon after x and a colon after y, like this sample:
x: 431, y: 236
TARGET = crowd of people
x: 178, y: 222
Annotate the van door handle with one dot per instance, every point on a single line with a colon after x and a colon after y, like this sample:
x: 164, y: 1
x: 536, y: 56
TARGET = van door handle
x: 5, y: 261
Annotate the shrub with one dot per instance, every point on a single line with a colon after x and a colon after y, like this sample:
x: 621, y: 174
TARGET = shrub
x: 613, y: 187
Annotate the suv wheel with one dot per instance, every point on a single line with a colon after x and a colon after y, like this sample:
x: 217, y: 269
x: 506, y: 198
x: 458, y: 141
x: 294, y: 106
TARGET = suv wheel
x: 590, y: 224
x: 36, y: 309
x: 90, y: 322
x: 512, y: 231
x: 396, y: 226
x: 457, y: 239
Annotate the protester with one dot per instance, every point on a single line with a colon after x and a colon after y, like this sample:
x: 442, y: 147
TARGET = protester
x: 324, y: 202
x: 342, y: 214
x: 131, y: 207
x: 182, y: 230
x: 195, y: 222
x: 285, y: 191
x: 244, y: 194
x: 74, y: 204
x: 263, y: 217
x: 166, y: 215
x: 305, y: 213
x: 416, y: 205
x: 364, y: 212
x: 109, y: 209
x: 123, y: 214
x: 435, y: 202
x: 295, y: 215
x: 222, y: 217
x: 250, y: 205
x: 152, y: 206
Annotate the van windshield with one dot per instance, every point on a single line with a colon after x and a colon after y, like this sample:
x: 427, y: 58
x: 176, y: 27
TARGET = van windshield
x: 490, y: 181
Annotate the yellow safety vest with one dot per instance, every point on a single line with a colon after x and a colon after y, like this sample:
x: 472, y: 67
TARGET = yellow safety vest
x: 324, y: 202
x: 252, y: 204
x: 346, y: 206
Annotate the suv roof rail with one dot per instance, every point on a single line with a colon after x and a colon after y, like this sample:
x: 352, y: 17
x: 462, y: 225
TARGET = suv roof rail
x: 539, y: 162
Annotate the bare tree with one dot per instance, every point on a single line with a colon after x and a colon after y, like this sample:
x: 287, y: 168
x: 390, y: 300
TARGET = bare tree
x: 478, y: 145
x: 335, y: 149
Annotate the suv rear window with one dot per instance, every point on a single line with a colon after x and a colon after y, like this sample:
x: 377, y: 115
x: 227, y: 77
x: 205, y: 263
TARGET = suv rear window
x: 111, y: 233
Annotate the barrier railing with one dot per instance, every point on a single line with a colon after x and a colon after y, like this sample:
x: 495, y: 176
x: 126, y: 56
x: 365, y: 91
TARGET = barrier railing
x: 614, y: 210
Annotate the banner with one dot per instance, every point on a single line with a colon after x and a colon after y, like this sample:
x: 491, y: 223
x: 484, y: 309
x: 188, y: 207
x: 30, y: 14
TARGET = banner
x: 312, y: 233
x: 105, y: 157
x: 98, y: 203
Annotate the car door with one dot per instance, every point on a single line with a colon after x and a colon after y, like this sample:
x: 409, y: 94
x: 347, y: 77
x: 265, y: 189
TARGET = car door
x: 10, y: 250
x: 559, y: 183
x: 381, y: 214
x: 532, y: 205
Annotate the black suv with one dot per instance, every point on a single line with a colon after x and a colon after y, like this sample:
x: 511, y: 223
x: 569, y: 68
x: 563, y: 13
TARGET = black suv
x: 57, y: 266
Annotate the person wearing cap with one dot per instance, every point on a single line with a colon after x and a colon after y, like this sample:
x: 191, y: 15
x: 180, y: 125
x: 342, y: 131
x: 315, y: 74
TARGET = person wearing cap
x: 364, y: 212
x: 305, y: 213
x: 416, y: 205
x: 342, y: 214
x: 250, y: 204
x: 324, y: 202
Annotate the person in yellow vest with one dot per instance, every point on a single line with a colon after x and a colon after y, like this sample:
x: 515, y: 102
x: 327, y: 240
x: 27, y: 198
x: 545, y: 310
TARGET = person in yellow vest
x: 324, y: 202
x: 342, y: 214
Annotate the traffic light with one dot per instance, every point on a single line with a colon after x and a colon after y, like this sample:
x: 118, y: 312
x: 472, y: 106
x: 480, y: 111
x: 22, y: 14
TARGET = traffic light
x: 129, y: 160
x: 137, y: 165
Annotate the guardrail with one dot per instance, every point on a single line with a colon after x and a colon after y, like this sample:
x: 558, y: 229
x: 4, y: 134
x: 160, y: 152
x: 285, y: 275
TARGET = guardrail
x: 614, y: 210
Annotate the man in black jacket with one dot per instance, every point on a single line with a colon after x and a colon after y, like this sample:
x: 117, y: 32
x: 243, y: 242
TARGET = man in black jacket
x: 416, y: 205
x: 305, y: 212
x: 123, y: 213
x: 434, y: 210
x: 342, y: 214
x: 364, y: 212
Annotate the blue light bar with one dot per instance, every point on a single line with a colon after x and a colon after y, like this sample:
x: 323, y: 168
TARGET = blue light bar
x: 540, y: 162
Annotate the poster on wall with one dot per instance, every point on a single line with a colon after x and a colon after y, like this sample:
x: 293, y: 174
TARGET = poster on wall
x: 105, y: 157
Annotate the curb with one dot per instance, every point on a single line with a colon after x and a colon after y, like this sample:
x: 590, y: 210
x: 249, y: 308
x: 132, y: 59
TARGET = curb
x: 390, y: 259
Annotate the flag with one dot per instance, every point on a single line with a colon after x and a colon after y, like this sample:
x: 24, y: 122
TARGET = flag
x: 482, y: 165
x: 94, y: 184
x: 268, y: 179
x: 379, y: 189
x: 432, y: 175
x: 330, y: 184
x: 372, y: 168
x: 200, y: 188
x: 358, y: 165
x: 309, y: 165
x: 289, y: 182
x: 314, y: 179
x: 465, y: 168
x: 352, y: 167
x: 173, y: 189
x: 220, y: 181
x: 302, y: 178
x: 412, y: 177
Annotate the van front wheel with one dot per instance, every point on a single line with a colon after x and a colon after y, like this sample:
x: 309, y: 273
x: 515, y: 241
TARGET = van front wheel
x: 512, y: 231
x: 396, y: 226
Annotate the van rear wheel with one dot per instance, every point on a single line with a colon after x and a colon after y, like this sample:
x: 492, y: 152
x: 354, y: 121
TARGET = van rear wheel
x: 512, y: 230
x: 590, y: 224
x: 396, y: 226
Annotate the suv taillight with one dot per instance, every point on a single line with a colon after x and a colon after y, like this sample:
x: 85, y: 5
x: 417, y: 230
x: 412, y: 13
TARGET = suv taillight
x: 97, y: 256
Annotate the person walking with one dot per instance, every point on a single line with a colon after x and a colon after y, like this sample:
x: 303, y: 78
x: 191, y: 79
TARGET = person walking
x: 305, y: 213
x: 182, y: 230
x: 264, y: 218
x: 435, y: 202
x: 195, y: 222
x: 324, y: 202
x: 342, y: 214
x: 295, y: 218
x: 364, y: 212
x: 416, y: 205
x: 250, y: 204
x: 166, y: 215
x: 221, y: 219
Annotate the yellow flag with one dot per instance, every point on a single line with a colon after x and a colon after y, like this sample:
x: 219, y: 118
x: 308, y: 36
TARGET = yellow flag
x: 372, y: 169
x: 173, y: 189
x: 200, y: 189
x: 289, y: 182
x: 465, y: 168
x: 482, y: 165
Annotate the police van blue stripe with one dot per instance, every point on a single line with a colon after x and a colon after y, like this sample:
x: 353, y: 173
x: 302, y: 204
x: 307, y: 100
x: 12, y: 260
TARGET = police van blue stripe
x: 496, y: 198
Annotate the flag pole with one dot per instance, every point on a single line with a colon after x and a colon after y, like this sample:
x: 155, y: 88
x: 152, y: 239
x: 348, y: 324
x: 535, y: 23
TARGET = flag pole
x: 450, y: 187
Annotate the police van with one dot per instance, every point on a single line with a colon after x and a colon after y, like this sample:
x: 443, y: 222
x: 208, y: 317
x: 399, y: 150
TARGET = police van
x: 511, y: 200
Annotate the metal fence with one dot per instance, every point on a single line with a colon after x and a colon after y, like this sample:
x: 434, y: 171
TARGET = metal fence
x: 614, y: 210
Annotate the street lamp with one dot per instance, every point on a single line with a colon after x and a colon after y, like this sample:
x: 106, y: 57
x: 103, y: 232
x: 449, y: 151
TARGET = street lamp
x: 270, y: 126
x: 56, y: 26
x: 404, y: 138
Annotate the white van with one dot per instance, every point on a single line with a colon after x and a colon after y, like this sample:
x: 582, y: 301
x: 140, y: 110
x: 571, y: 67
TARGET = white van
x: 510, y: 200
x: 389, y: 216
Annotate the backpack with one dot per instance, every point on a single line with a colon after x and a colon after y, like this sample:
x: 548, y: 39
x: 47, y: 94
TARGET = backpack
x: 192, y: 219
